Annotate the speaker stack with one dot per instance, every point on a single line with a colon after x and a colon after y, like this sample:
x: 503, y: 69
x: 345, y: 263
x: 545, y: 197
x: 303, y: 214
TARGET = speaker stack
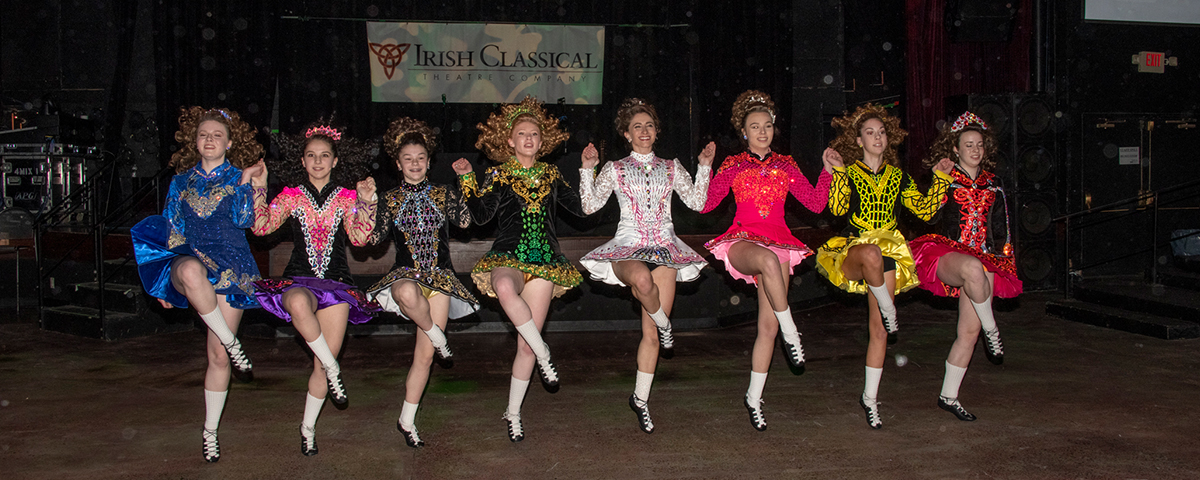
x: 1028, y: 165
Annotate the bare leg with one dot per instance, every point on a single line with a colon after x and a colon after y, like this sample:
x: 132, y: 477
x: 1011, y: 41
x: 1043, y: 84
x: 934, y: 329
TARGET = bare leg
x: 635, y: 274
x: 216, y: 377
x: 768, y: 324
x: 751, y: 259
x: 418, y: 374
x: 647, y: 355
x: 332, y: 322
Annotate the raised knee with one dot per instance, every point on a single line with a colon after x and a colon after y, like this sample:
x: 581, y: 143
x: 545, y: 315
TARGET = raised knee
x: 644, y: 284
x: 407, y: 294
x: 192, y: 272
x: 294, y: 301
x: 973, y: 272
x: 504, y: 287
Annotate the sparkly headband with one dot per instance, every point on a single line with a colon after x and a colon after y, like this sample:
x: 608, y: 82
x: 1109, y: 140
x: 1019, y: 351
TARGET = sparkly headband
x: 965, y: 119
x: 323, y: 130
x: 220, y: 111
x: 523, y: 109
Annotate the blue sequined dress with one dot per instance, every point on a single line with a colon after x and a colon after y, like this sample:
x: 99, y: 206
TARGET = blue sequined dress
x: 205, y: 217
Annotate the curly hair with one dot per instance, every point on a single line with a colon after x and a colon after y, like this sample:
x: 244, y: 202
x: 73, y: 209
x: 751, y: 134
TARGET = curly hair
x: 352, y: 156
x: 495, y: 133
x: 631, y: 107
x: 848, y: 126
x: 748, y: 102
x: 408, y: 131
x: 947, y: 139
x: 244, y: 152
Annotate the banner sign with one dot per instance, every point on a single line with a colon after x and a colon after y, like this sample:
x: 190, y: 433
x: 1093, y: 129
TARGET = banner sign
x: 485, y: 63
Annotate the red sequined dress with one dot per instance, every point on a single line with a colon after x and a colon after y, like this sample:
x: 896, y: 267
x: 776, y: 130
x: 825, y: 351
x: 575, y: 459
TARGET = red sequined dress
x: 760, y: 187
x: 974, y: 221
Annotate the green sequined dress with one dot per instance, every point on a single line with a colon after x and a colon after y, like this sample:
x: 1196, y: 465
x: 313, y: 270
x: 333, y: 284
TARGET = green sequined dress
x: 523, y: 202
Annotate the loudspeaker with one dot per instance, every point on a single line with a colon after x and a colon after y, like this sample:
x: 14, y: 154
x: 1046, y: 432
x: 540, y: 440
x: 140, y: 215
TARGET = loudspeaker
x: 980, y: 20
x: 1027, y: 164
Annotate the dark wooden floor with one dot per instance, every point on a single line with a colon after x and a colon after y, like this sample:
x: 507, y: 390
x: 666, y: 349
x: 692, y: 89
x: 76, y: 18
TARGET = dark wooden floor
x: 1070, y: 401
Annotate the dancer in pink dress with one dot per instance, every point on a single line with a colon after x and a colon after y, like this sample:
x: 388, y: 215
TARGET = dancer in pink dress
x: 759, y: 247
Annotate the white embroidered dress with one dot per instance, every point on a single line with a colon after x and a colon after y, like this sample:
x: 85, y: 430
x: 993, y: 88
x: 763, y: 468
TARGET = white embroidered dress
x: 643, y: 184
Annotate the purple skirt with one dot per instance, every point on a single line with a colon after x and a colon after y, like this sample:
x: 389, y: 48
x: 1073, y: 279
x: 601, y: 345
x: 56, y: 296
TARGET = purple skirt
x: 269, y: 293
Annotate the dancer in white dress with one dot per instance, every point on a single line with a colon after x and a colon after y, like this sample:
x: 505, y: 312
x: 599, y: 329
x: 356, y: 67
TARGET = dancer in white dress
x: 645, y: 254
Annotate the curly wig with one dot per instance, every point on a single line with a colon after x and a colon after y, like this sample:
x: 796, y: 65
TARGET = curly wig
x: 748, y: 102
x: 495, y: 133
x: 352, y: 156
x: 631, y: 107
x: 244, y: 152
x: 408, y: 131
x: 846, y: 143
x: 947, y: 139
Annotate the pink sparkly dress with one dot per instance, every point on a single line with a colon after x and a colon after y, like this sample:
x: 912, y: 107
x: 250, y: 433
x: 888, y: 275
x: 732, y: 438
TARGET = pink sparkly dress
x: 760, y: 187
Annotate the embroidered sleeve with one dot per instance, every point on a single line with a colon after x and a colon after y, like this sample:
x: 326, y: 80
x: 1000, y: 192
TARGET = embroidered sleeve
x: 925, y: 206
x: 466, y: 184
x: 839, y: 191
x: 482, y: 200
x: 172, y: 210
x: 594, y: 192
x: 268, y: 218
x: 567, y: 197
x: 456, y: 209
x: 384, y: 217
x: 359, y: 217
x: 720, y: 185
x: 812, y: 197
x: 695, y: 194
x: 243, y: 206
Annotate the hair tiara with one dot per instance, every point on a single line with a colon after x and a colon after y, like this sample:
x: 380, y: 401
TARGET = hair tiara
x: 965, y: 119
x: 323, y: 130
x: 517, y: 112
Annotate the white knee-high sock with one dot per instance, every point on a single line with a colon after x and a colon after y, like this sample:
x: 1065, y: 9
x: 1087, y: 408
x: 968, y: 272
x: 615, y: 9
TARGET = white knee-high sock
x: 954, y: 378
x: 312, y: 408
x: 660, y: 318
x: 408, y: 415
x: 216, y: 323
x: 871, y: 388
x: 436, y: 336
x: 787, y: 326
x: 885, y: 301
x: 529, y: 332
x: 320, y: 348
x: 214, y: 404
x: 984, y: 311
x: 642, y: 387
x: 516, y: 395
x: 754, y: 393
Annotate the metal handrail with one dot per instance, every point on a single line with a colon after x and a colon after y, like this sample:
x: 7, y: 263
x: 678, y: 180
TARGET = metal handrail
x: 1151, y: 201
x: 1138, y: 198
x: 88, y: 195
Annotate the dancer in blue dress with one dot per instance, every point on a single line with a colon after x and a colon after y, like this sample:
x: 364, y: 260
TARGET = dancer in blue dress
x: 196, y: 253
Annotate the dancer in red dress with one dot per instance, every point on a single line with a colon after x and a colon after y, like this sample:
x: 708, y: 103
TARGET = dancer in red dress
x: 971, y: 253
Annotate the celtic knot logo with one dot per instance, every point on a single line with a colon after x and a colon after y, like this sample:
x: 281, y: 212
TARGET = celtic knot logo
x: 389, y: 55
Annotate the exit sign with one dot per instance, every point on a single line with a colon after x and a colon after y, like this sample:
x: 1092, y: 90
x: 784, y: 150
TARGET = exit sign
x: 1153, y: 62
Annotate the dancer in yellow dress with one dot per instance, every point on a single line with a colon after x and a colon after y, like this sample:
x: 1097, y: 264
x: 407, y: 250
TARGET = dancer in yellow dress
x: 873, y: 256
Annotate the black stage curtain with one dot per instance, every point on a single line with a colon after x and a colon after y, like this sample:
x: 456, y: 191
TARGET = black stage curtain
x: 214, y: 54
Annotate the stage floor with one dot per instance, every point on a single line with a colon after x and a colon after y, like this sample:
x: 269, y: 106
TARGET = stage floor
x: 1070, y: 401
